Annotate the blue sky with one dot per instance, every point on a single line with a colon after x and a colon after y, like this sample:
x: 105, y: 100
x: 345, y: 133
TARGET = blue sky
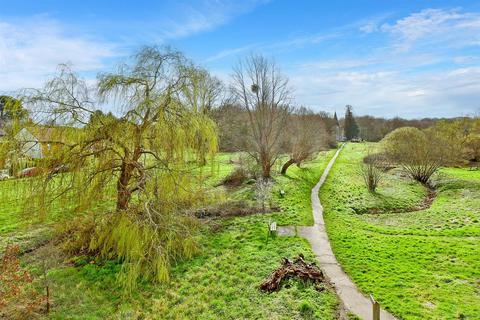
x: 386, y: 58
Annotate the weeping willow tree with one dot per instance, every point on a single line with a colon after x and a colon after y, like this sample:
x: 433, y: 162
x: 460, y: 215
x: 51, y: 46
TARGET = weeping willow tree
x: 130, y: 169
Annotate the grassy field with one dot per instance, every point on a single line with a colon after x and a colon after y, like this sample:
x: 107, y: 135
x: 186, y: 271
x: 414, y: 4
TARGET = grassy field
x: 297, y: 184
x: 421, y: 264
x: 220, y: 283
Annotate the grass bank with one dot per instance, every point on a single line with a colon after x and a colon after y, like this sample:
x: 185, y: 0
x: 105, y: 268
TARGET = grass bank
x: 419, y: 265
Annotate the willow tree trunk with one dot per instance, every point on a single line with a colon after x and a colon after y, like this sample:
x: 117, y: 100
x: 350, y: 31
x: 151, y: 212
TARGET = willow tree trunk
x: 123, y: 193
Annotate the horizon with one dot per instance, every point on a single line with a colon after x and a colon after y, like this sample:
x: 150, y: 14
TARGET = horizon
x: 408, y: 60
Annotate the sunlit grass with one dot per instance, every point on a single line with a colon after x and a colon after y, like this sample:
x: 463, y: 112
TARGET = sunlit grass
x: 419, y: 265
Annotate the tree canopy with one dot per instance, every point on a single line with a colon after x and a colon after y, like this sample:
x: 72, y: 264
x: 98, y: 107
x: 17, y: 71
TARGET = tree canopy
x: 350, y: 125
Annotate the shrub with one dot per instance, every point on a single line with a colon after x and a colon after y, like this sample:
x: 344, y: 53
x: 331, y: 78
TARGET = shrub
x: 371, y: 175
x: 419, y: 153
x: 236, y: 178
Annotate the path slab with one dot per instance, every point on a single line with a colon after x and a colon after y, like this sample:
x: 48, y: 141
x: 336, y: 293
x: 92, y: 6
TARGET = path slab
x: 286, y: 231
x: 353, y: 300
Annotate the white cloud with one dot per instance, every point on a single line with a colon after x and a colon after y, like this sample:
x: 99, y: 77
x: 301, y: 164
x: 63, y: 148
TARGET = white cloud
x: 275, y: 47
x: 419, y: 70
x: 31, y: 49
x: 390, y: 93
x: 452, y: 28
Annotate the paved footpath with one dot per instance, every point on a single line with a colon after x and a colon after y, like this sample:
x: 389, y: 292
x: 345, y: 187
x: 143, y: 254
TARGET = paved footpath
x: 353, y: 300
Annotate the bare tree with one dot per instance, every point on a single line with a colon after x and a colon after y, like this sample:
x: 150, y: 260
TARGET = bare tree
x: 372, y: 170
x: 306, y: 135
x: 260, y: 88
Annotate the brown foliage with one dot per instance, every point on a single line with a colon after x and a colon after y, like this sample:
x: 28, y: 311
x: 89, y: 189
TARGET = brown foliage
x: 19, y: 299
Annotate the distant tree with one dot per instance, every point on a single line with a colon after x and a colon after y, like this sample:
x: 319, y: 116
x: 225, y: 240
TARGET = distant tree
x: 306, y: 136
x: 472, y: 144
x: 350, y: 125
x: 232, y: 122
x: 419, y: 153
x: 453, y: 136
x: 260, y: 88
x: 10, y: 109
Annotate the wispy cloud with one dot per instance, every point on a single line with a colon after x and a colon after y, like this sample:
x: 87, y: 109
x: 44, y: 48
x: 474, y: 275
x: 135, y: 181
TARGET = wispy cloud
x: 453, y: 28
x: 31, y: 49
x: 206, y: 16
x: 419, y: 69
x: 292, y: 43
x: 230, y: 52
x: 392, y: 93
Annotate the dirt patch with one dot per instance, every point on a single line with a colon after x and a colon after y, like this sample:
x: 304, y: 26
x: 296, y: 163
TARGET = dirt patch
x: 232, y: 209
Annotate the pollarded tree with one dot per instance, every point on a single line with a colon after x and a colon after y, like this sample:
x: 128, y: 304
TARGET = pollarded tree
x: 350, y: 125
x: 418, y: 152
x: 260, y: 88
x: 306, y: 135
x: 141, y: 155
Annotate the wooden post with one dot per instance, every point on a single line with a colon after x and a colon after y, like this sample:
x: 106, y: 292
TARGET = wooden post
x: 375, y: 309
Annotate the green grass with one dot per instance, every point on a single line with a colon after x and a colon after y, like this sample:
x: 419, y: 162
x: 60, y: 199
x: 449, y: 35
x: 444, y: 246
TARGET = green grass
x: 297, y: 183
x: 222, y: 282
x: 419, y: 265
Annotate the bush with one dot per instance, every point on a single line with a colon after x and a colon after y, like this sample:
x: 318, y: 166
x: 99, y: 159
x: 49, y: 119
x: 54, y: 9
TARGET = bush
x: 372, y: 175
x: 419, y: 153
x: 372, y: 169
x: 236, y: 178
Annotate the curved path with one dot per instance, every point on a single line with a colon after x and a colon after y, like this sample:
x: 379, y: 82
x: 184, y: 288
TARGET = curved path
x: 353, y: 300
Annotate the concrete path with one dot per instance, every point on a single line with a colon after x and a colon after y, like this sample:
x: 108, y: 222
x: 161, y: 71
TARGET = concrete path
x: 353, y: 300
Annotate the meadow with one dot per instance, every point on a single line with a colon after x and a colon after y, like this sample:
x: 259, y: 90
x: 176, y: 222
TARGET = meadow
x: 420, y: 264
x: 222, y: 281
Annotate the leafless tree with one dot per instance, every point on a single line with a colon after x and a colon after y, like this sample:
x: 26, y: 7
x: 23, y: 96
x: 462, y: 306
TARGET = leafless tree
x: 306, y: 135
x: 372, y: 170
x: 260, y: 88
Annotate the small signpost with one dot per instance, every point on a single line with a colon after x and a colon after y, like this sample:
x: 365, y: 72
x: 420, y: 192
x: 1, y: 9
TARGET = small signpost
x: 375, y: 309
x: 273, y: 228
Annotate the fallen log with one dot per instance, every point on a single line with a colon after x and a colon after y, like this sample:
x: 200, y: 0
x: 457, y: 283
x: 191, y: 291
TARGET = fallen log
x: 298, y: 268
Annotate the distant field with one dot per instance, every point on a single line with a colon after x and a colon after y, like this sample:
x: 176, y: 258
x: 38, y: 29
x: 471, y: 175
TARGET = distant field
x: 419, y: 265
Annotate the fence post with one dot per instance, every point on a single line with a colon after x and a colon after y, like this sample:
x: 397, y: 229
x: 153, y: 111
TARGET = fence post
x: 375, y: 309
